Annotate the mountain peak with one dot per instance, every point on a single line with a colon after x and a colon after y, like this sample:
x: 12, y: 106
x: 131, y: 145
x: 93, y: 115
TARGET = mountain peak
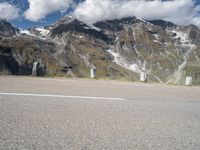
x: 162, y: 23
x: 6, y: 28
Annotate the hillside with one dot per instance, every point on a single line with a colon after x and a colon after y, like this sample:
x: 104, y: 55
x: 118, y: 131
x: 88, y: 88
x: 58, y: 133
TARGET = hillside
x: 119, y: 49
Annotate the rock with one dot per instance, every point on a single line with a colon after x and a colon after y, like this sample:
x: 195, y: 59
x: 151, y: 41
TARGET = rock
x: 6, y: 29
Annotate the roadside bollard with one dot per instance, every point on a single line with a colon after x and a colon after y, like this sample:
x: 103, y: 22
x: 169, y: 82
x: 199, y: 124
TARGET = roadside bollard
x: 92, y: 75
x: 188, y: 81
x: 34, y: 69
x: 143, y: 77
x: 93, y: 71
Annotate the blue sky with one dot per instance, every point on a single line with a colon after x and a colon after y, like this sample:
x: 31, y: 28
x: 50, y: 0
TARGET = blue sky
x: 26, y: 13
x: 23, y: 23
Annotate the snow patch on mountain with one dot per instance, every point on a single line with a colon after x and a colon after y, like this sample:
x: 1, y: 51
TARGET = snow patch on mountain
x: 122, y: 62
x: 26, y: 32
x: 182, y: 37
x: 43, y: 32
x: 156, y: 36
x: 92, y: 27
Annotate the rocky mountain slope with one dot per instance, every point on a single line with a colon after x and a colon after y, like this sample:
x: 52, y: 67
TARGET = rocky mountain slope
x: 119, y: 49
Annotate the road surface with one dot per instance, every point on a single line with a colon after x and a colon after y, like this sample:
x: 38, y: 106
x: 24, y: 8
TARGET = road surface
x: 81, y: 114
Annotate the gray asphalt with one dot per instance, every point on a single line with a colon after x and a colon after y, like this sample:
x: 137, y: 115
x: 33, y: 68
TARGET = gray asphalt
x: 147, y: 116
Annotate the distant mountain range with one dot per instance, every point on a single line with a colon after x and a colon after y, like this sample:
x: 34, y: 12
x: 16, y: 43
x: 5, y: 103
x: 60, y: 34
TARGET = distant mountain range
x: 119, y: 49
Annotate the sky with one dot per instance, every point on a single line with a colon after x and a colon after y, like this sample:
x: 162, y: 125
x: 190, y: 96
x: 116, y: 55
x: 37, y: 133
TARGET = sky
x: 29, y: 13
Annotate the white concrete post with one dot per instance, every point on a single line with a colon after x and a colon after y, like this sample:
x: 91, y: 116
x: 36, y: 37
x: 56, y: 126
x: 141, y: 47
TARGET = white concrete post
x: 188, y: 81
x: 34, y: 69
x: 143, y: 77
x: 93, y: 71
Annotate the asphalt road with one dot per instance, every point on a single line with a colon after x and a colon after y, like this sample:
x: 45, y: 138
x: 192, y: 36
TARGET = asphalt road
x: 77, y: 114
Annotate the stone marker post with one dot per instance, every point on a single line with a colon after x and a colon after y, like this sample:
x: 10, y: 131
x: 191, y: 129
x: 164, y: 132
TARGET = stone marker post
x: 188, y: 81
x: 34, y: 69
x: 93, y: 71
x: 143, y: 77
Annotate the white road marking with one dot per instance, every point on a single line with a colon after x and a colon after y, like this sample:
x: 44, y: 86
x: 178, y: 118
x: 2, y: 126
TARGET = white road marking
x: 63, y: 96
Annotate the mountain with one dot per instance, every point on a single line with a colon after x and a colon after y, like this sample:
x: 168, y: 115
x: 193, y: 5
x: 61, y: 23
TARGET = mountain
x: 6, y: 29
x: 119, y: 49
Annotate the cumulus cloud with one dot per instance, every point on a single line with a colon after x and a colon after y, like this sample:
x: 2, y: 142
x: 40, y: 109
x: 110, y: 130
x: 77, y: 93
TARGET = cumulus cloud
x: 39, y: 9
x: 181, y: 12
x: 8, y: 11
x: 196, y: 21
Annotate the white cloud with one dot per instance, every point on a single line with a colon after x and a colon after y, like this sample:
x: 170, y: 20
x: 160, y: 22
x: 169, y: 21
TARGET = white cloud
x: 8, y: 11
x: 196, y: 21
x: 181, y: 12
x: 39, y: 9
